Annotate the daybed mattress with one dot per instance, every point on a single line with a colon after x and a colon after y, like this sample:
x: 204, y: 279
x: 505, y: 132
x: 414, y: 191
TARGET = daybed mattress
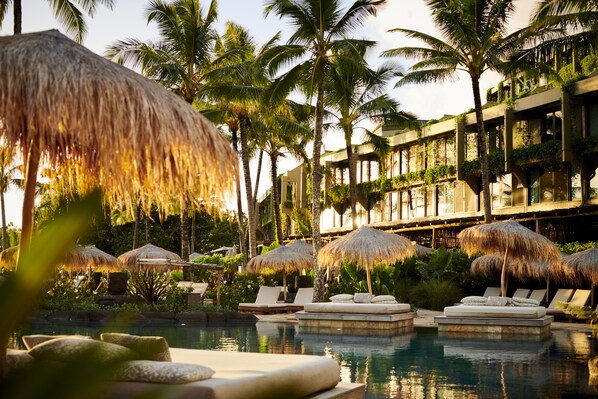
x: 242, y: 375
x: 357, y: 308
x: 520, y: 312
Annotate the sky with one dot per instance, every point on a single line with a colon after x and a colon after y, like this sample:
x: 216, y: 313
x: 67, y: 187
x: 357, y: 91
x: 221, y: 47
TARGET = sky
x: 128, y: 20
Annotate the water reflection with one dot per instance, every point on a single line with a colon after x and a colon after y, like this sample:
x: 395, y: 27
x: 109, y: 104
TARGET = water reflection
x: 415, y: 365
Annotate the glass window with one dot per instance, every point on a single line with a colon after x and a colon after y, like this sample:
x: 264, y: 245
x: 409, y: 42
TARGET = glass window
x: 502, y: 192
x: 445, y: 201
x: 450, y: 151
x: 534, y: 186
x: 394, y: 206
x: 576, y: 186
x: 374, y: 170
x: 404, y: 204
x: 420, y: 158
x: 418, y: 203
x: 430, y: 200
x: 405, y: 161
x: 374, y: 210
x: 346, y: 219
x: 593, y: 192
x: 592, y: 109
x: 471, y: 146
x: 358, y: 171
x: 552, y: 126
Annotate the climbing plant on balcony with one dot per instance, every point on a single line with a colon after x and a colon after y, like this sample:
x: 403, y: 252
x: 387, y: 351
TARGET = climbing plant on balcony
x: 544, y: 154
x: 496, y: 165
x: 338, y: 193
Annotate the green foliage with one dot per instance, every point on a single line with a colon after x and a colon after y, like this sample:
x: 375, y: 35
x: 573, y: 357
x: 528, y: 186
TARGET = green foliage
x: 544, y: 154
x: 268, y: 248
x: 568, y: 74
x: 589, y: 64
x: 302, y: 219
x: 60, y: 294
x: 338, y: 194
x: 148, y: 285
x: 496, y: 165
x: 585, y: 147
x: 174, y: 300
x: 576, y: 246
x: 242, y: 289
x: 435, y: 294
x: 176, y: 275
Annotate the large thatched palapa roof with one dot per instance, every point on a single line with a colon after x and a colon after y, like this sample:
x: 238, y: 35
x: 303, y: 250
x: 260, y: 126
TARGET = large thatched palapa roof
x: 148, y: 251
x: 283, y: 257
x: 518, y: 246
x: 301, y: 246
x: 78, y: 259
x: 492, y: 264
x: 582, y: 264
x: 107, y: 124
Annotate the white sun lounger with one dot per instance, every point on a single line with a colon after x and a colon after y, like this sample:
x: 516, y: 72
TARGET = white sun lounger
x: 265, y: 296
x: 492, y: 291
x: 538, y: 295
x: 304, y: 295
x: 521, y: 293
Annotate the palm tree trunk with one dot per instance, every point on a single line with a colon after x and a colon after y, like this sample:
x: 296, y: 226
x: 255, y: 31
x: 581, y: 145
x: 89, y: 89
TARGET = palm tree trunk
x: 4, y: 229
x: 184, y: 229
x: 18, y: 16
x: 32, y: 162
x: 260, y: 158
x: 251, y: 225
x: 352, y: 180
x: 482, y: 148
x: 316, y: 173
x: 275, y: 196
x: 242, y: 245
x: 136, y: 228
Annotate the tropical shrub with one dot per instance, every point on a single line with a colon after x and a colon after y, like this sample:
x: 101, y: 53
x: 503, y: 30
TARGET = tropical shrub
x: 435, y: 294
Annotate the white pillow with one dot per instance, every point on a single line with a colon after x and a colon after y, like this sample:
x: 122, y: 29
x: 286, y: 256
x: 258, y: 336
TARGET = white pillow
x: 162, y: 372
x: 362, y: 297
x: 393, y: 302
x: 474, y: 300
x: 499, y: 301
x: 383, y: 298
x: 342, y: 298
x: 517, y: 301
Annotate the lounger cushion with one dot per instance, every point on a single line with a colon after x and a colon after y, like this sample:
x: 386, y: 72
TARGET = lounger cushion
x: 148, y: 347
x: 18, y: 360
x: 474, y: 300
x: 342, y: 298
x: 357, y: 308
x: 31, y: 341
x: 384, y: 299
x: 362, y: 297
x: 72, y: 349
x: 518, y: 301
x: 162, y: 372
x: 527, y: 312
x: 498, y: 301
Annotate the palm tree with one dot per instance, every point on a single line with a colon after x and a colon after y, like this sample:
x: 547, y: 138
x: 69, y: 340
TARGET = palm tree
x: 320, y: 26
x: 67, y: 13
x: 475, y: 41
x: 356, y: 92
x: 178, y: 61
x: 8, y: 172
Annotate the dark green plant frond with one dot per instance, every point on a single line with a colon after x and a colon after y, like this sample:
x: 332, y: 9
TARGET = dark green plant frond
x: 283, y: 85
x: 439, y: 75
x: 3, y: 8
x: 355, y: 16
x: 71, y: 18
x: 279, y: 56
x: 433, y: 42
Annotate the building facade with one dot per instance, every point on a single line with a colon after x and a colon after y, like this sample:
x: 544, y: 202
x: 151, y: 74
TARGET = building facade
x: 543, y: 159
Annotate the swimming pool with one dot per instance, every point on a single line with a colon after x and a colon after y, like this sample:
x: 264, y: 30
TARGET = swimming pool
x: 416, y: 365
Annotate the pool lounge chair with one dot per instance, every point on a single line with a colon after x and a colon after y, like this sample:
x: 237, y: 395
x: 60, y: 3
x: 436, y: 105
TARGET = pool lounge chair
x: 304, y: 295
x: 538, y: 295
x: 242, y: 375
x: 265, y: 296
x: 492, y: 291
x: 562, y: 295
x: 521, y: 293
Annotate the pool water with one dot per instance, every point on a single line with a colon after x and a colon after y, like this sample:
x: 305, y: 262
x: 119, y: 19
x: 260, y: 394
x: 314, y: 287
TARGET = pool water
x: 415, y: 365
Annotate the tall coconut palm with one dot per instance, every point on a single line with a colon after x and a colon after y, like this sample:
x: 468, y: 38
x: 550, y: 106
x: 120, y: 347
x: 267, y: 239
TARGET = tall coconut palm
x: 474, y: 40
x: 68, y: 13
x: 178, y: 60
x: 354, y: 92
x: 319, y: 27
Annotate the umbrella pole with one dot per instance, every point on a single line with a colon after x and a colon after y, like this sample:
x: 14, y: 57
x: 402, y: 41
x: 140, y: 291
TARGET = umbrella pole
x: 284, y: 284
x: 503, y: 275
x: 369, y: 278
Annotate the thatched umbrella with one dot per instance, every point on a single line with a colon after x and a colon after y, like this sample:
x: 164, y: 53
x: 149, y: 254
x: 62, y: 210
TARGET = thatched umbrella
x: 514, y: 242
x: 365, y: 247
x: 78, y: 259
x: 490, y: 264
x: 301, y: 246
x: 582, y: 264
x: 284, y: 258
x: 148, y: 251
x: 106, y: 125
x: 421, y: 250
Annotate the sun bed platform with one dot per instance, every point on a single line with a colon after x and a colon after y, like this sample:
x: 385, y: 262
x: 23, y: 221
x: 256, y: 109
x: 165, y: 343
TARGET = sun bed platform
x: 242, y: 375
x: 497, y: 321
x: 367, y: 319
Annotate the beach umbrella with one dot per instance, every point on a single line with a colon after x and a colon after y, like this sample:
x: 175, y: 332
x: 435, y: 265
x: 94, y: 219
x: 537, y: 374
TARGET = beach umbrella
x: 582, y: 264
x: 491, y: 264
x: 160, y: 255
x: 105, y: 125
x: 421, y: 250
x: 514, y: 242
x: 366, y: 247
x: 301, y: 246
x: 281, y: 258
x: 78, y: 259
